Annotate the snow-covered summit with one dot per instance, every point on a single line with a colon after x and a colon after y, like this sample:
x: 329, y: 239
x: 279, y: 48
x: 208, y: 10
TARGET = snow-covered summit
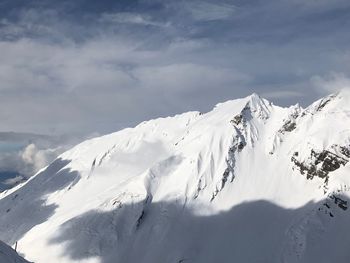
x: 247, y: 181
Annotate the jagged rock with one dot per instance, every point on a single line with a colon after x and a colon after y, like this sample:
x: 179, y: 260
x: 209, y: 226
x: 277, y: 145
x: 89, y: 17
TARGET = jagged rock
x: 290, y: 123
x: 288, y: 126
x: 343, y: 204
x: 140, y: 219
x: 330, y: 161
x: 324, y: 102
x: 320, y: 105
x: 319, y: 164
x: 237, y: 119
x: 237, y: 146
x: 345, y: 151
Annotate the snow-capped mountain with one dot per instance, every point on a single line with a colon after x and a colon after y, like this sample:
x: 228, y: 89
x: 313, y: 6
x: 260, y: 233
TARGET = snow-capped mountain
x: 246, y: 182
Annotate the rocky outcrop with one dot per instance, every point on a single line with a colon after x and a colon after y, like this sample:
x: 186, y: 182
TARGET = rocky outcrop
x: 321, y: 163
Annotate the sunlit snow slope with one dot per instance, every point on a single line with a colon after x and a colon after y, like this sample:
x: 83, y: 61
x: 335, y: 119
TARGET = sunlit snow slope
x: 246, y: 182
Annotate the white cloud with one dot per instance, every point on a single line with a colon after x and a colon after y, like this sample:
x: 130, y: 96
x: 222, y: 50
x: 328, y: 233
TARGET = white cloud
x: 30, y: 22
x: 333, y: 82
x: 131, y: 18
x: 35, y: 159
x: 28, y: 161
x: 206, y: 11
x: 25, y: 154
x: 107, y: 73
x: 78, y: 83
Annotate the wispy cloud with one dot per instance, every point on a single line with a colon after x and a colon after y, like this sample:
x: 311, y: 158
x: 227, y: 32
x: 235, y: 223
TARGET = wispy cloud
x: 131, y: 18
x: 69, y: 68
x: 28, y: 160
x: 330, y: 83
x: 210, y: 11
x: 24, y: 154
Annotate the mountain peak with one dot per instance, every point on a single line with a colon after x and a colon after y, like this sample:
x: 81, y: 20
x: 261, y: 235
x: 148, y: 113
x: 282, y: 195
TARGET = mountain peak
x: 260, y: 106
x: 111, y: 196
x: 254, y: 96
x: 254, y: 101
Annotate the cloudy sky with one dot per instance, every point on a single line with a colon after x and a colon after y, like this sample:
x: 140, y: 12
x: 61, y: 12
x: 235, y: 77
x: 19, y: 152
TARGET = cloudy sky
x: 97, y: 66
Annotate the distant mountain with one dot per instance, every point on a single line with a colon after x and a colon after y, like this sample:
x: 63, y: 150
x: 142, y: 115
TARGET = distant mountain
x: 247, y: 182
x: 16, y: 136
x: 42, y: 140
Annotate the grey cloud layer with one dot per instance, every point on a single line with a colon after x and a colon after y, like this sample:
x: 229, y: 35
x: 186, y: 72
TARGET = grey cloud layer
x: 88, y: 66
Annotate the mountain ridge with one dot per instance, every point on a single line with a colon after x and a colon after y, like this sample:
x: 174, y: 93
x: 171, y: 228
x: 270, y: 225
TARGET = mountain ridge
x: 123, y: 192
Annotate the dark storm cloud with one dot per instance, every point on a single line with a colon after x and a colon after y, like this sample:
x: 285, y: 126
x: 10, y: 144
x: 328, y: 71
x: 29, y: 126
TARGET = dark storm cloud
x: 83, y: 66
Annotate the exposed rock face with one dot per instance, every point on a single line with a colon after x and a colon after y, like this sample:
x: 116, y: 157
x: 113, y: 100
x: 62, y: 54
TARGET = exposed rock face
x: 320, y: 105
x: 321, y: 163
x: 237, y: 146
x: 325, y: 101
x: 335, y: 200
x: 256, y: 109
x: 238, y: 119
x: 345, y: 151
x: 290, y: 124
x: 343, y: 204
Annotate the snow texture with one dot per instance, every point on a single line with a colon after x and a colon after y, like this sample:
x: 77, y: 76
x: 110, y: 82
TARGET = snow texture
x: 246, y: 182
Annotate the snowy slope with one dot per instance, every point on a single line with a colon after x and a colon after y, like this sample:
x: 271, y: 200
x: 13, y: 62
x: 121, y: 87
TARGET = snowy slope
x: 247, y: 182
x: 8, y: 255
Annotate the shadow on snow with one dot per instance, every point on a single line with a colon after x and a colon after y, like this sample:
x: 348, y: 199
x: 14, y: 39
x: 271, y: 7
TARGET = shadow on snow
x: 18, y: 215
x: 250, y: 232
